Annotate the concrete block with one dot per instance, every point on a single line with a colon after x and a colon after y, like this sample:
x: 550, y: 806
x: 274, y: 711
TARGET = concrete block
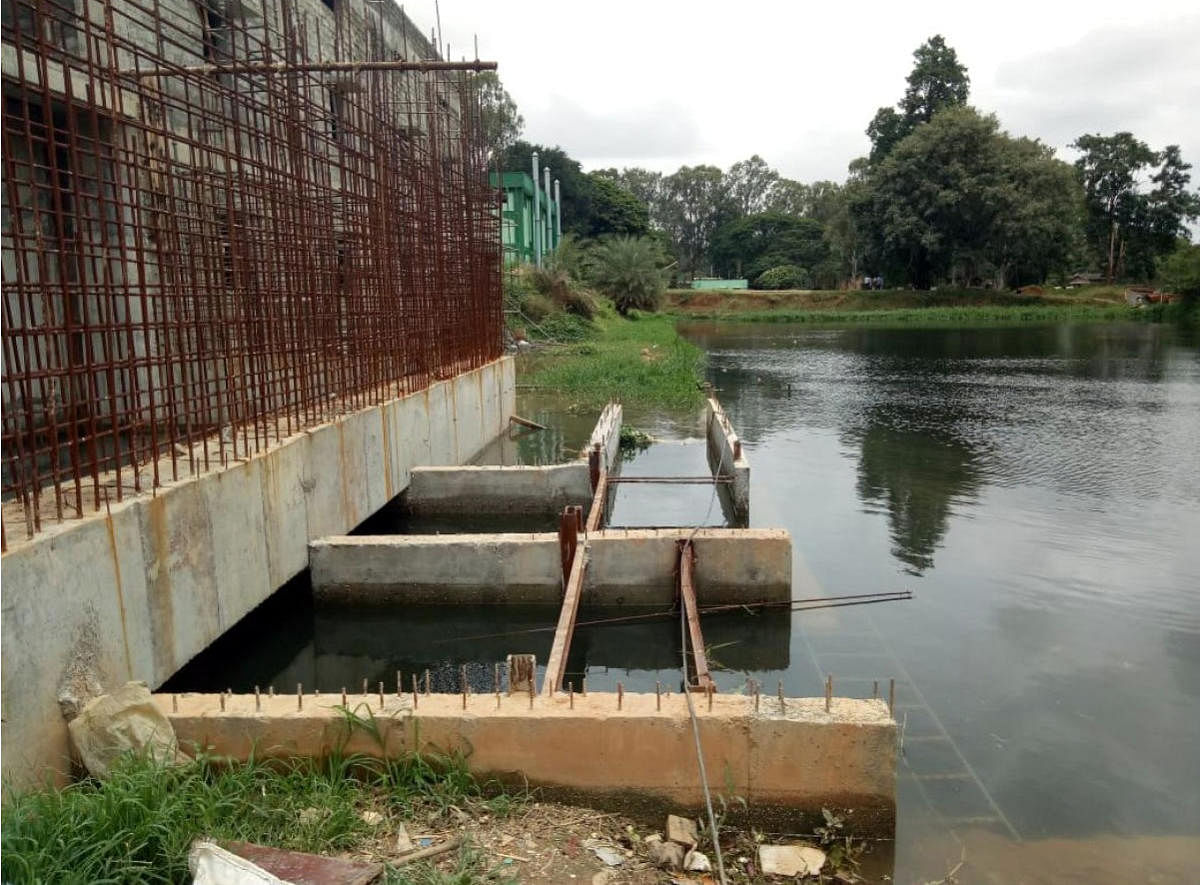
x: 285, y: 512
x: 241, y: 572
x: 634, y: 566
x: 637, y: 755
x: 324, y: 506
x: 182, y: 600
x: 495, y: 489
x: 728, y: 458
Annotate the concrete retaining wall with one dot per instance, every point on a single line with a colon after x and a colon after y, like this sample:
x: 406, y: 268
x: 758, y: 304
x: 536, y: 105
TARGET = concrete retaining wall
x: 727, y: 458
x: 492, y: 489
x: 634, y: 566
x: 522, y: 489
x: 137, y: 593
x: 785, y: 765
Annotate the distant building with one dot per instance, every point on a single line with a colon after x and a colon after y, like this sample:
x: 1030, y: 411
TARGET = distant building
x: 531, y: 217
x: 714, y: 283
x: 1086, y: 279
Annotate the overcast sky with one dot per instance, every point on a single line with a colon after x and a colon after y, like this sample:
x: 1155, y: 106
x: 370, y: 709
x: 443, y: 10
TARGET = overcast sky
x: 660, y: 84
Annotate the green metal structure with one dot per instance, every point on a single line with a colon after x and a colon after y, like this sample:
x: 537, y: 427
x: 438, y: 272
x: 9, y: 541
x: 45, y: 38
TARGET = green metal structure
x: 517, y: 227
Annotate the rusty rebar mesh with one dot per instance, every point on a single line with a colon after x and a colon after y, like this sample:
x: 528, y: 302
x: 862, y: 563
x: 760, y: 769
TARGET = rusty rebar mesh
x: 197, y: 265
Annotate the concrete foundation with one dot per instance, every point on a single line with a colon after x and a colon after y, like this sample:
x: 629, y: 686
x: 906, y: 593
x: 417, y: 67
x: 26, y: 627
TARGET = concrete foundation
x: 787, y: 764
x: 627, y: 566
x: 727, y: 459
x: 136, y: 593
x: 515, y: 489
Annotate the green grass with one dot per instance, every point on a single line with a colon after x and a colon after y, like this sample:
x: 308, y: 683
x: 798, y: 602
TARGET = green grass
x: 641, y: 360
x: 137, y: 825
x: 930, y: 316
x: 900, y: 307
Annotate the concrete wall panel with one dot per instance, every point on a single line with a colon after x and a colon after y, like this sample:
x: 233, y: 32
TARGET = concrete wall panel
x: 137, y: 594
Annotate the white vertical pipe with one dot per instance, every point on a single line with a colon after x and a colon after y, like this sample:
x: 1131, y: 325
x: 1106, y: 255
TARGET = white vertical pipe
x: 537, y: 216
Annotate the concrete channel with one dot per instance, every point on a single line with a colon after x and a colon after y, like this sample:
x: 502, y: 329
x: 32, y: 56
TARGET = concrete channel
x: 785, y: 756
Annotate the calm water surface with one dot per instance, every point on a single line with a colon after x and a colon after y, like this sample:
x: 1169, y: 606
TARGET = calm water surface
x: 1039, y: 491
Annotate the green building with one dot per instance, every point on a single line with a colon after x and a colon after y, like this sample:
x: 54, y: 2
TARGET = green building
x: 530, y: 219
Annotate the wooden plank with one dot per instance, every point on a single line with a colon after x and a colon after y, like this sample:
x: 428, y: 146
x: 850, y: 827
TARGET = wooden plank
x: 687, y: 591
x: 595, y: 518
x: 556, y: 666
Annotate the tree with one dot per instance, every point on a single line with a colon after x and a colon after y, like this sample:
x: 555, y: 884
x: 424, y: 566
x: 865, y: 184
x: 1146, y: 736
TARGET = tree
x: 747, y: 246
x: 749, y: 184
x: 1128, y: 228
x: 937, y: 81
x: 694, y: 203
x: 644, y: 184
x: 629, y: 271
x: 788, y: 197
x: 502, y: 123
x: 958, y: 200
x: 615, y: 210
x: 1179, y: 272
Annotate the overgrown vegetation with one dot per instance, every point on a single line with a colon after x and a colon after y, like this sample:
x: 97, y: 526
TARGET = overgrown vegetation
x: 138, y: 825
x: 640, y: 359
x: 903, y: 307
x: 628, y: 270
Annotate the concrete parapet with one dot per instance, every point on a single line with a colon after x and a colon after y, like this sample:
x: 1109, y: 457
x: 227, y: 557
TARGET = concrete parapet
x: 786, y: 764
x: 727, y: 458
x: 495, y: 489
x: 137, y: 592
x: 627, y: 566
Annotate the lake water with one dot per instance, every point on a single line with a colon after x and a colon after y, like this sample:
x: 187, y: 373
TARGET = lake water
x: 1038, y: 489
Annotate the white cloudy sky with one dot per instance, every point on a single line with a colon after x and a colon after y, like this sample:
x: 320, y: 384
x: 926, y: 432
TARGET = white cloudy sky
x: 659, y: 84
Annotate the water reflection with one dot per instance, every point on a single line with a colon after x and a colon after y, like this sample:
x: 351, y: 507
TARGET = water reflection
x: 916, y: 476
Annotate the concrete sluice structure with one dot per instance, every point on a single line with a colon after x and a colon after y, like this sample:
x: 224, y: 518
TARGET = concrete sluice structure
x: 788, y: 757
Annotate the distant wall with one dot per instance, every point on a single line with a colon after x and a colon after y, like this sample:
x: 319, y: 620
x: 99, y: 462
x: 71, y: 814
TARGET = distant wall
x: 135, y: 594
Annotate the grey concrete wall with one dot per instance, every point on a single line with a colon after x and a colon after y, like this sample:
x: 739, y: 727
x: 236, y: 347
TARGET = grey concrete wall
x: 136, y: 593
x: 515, y: 489
x: 493, y: 489
x: 722, y: 446
x: 634, y: 566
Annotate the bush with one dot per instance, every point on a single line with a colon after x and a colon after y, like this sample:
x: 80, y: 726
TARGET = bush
x: 557, y: 285
x: 784, y: 276
x: 629, y: 271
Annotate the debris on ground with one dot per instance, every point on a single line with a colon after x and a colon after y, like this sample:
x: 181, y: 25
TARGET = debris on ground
x: 244, y: 863
x: 696, y: 862
x: 372, y: 818
x: 125, y: 721
x: 667, y: 855
x: 404, y: 843
x: 790, y: 860
x: 682, y: 830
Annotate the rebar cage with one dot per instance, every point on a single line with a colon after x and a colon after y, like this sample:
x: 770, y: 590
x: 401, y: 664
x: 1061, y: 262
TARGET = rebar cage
x: 214, y: 237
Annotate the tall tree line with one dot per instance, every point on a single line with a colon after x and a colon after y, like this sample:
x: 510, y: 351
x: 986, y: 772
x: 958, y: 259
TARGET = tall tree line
x: 944, y: 196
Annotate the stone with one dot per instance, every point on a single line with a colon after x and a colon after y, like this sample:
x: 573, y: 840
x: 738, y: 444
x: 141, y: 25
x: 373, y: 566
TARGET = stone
x: 682, y: 830
x: 127, y: 720
x: 609, y: 855
x: 404, y: 843
x: 697, y: 862
x: 666, y: 855
x: 790, y: 860
x: 602, y: 878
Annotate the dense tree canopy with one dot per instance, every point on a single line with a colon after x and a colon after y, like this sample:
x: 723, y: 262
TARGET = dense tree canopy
x: 937, y: 81
x: 1127, y: 226
x: 747, y: 246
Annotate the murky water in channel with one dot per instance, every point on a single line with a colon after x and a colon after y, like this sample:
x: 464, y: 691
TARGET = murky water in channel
x: 1037, y: 488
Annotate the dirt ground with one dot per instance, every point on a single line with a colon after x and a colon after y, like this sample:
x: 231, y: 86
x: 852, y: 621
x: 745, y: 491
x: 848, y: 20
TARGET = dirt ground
x: 549, y: 842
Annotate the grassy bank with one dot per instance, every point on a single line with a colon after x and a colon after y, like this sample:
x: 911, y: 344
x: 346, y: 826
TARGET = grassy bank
x: 137, y: 826
x: 901, y: 307
x: 641, y: 360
